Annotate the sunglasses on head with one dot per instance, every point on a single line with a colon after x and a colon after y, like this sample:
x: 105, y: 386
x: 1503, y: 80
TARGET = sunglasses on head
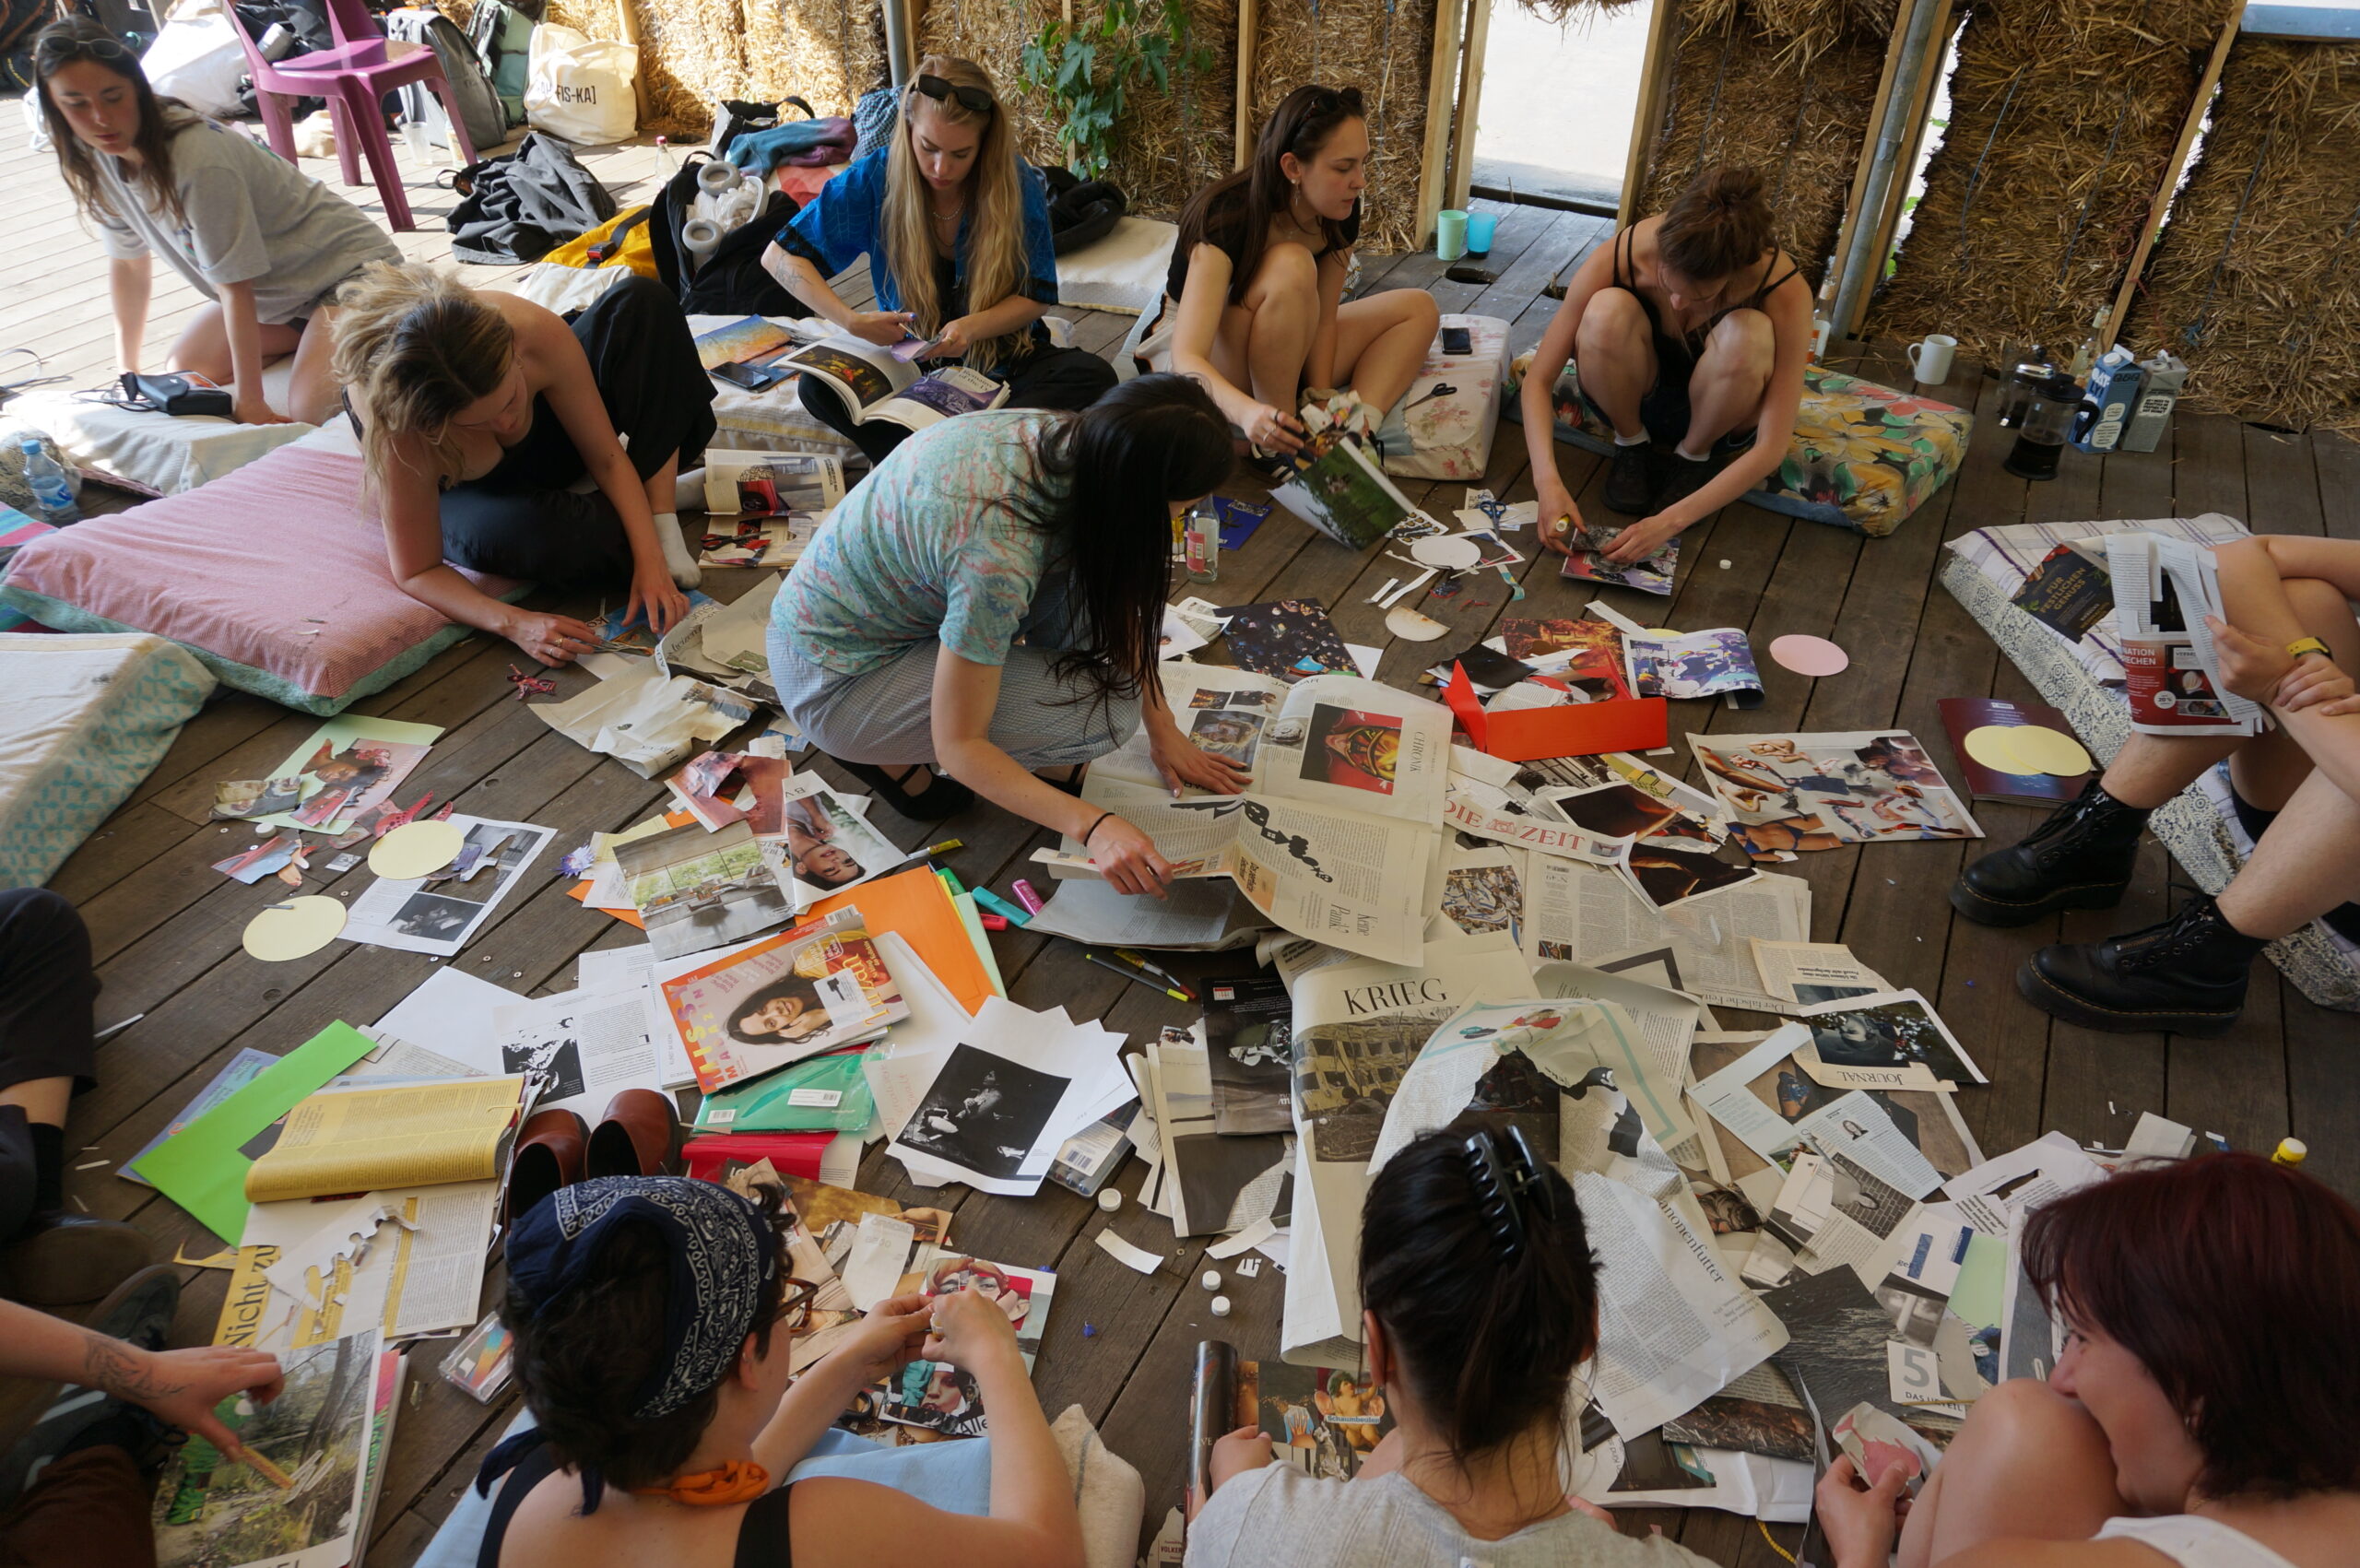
x: 973, y: 99
x: 56, y: 50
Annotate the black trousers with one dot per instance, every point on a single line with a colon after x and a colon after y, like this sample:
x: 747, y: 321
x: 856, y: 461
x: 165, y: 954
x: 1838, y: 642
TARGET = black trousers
x: 520, y: 520
x: 1046, y: 378
x: 47, y: 989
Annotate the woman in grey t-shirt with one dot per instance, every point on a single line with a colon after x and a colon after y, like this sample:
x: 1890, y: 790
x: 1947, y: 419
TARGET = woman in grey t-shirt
x: 1480, y: 1298
x: 268, y: 244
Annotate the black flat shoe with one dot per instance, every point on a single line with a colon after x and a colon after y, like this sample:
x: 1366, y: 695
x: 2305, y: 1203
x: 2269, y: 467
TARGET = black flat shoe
x: 1631, y: 482
x: 942, y: 797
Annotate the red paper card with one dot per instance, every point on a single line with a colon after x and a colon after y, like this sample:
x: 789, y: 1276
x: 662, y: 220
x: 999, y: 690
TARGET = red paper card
x: 1577, y: 729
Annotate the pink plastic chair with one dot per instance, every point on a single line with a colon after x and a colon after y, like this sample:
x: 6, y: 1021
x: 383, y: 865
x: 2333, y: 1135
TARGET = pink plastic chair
x: 354, y: 77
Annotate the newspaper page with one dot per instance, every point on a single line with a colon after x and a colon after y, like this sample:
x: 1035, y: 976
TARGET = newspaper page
x: 410, y: 1135
x: 581, y: 1046
x: 2171, y: 671
x: 1588, y: 914
x: 410, y: 1260
x: 1667, y: 1021
x: 1807, y: 973
x: 1358, y: 1026
x: 439, y: 914
x: 2020, y: 1180
x: 1674, y: 1326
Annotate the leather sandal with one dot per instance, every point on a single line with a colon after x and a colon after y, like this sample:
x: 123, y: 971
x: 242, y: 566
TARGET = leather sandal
x: 549, y: 1149
x: 943, y: 796
x: 634, y: 1138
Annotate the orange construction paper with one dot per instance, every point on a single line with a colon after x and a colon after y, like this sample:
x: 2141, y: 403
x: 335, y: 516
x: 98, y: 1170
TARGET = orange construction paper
x: 915, y: 904
x: 1577, y: 729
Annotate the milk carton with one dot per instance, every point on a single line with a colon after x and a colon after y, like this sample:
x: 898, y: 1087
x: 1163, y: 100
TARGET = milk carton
x: 2160, y: 381
x: 2107, y: 404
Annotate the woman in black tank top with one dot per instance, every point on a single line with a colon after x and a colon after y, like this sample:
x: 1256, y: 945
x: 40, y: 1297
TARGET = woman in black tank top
x: 1256, y: 283
x: 1690, y: 331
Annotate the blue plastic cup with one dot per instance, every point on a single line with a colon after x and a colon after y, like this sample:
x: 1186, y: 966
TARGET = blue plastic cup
x: 1479, y: 232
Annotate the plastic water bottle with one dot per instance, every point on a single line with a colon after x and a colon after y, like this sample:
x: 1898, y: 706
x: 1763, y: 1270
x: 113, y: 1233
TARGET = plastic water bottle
x: 52, y: 497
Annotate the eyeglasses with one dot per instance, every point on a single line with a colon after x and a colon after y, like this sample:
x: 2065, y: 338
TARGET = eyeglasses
x: 795, y: 1305
x: 976, y: 100
x: 60, y: 48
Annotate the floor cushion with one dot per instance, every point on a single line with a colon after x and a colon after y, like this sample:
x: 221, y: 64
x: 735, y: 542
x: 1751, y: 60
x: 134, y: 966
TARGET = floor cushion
x: 161, y: 454
x: 82, y: 721
x: 2083, y: 681
x: 1124, y: 273
x: 1863, y: 456
x: 274, y: 576
x: 1443, y: 426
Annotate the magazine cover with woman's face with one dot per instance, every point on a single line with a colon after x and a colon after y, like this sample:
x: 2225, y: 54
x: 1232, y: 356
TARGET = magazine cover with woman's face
x: 782, y: 999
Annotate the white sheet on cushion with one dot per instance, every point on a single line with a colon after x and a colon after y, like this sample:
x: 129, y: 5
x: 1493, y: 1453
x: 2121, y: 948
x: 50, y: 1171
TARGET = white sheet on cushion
x: 165, y: 452
x: 1123, y: 272
x: 83, y: 720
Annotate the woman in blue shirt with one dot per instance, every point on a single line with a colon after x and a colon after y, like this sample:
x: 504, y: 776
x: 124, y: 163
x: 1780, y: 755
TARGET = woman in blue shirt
x: 956, y: 230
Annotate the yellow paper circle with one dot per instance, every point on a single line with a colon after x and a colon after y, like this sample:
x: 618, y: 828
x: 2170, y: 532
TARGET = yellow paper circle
x: 1994, y: 747
x: 415, y: 850
x: 2049, y: 751
x: 292, y: 928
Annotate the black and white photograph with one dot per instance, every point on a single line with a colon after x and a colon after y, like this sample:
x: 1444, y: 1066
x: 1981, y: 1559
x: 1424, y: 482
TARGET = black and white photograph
x: 1215, y: 1171
x: 982, y: 1112
x: 437, y: 915
x: 1889, y: 1030
x: 1249, y: 1031
x: 554, y: 1059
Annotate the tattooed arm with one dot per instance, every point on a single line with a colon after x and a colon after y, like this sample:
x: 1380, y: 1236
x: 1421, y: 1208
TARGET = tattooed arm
x: 180, y: 1387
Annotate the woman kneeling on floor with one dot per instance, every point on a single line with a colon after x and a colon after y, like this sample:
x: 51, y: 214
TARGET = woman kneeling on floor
x: 956, y: 230
x: 269, y: 245
x: 652, y: 1317
x: 2201, y: 1411
x: 1689, y: 331
x: 496, y: 434
x: 988, y: 602
x: 1479, y: 1299
x: 1258, y: 281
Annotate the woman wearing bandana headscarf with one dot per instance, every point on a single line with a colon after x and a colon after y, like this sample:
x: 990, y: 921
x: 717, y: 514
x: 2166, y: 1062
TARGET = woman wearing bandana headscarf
x: 652, y: 1318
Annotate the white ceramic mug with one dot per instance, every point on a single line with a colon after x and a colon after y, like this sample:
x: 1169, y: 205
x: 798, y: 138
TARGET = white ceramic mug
x: 1930, y: 361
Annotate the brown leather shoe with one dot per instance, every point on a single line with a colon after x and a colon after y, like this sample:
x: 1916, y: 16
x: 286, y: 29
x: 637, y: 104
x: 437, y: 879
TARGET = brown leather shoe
x: 548, y: 1156
x: 635, y: 1137
x: 60, y: 1259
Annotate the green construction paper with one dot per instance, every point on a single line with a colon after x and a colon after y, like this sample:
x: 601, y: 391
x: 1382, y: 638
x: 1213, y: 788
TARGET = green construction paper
x: 200, y: 1167
x: 1982, y: 1274
x: 964, y: 902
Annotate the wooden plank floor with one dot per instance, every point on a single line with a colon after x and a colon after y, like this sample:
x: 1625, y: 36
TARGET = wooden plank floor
x: 165, y: 926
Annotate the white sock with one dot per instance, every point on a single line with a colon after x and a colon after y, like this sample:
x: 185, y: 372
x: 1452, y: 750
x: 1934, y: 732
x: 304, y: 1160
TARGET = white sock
x: 685, y: 572
x: 1681, y: 452
x: 1639, y: 440
x: 688, y: 492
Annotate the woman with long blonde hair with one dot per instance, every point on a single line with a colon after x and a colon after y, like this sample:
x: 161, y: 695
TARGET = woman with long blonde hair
x: 480, y: 416
x: 956, y: 228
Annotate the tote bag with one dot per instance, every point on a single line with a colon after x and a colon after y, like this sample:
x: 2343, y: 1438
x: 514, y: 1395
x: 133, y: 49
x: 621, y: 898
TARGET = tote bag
x: 580, y: 90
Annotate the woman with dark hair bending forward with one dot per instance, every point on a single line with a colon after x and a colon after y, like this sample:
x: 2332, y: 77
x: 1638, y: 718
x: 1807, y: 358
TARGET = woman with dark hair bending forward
x: 2201, y: 1412
x: 1689, y: 332
x: 652, y: 1317
x: 1258, y: 280
x: 988, y: 602
x: 1475, y: 1314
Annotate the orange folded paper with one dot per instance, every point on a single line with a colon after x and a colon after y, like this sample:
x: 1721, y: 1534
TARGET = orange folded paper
x: 1577, y: 729
x: 915, y: 904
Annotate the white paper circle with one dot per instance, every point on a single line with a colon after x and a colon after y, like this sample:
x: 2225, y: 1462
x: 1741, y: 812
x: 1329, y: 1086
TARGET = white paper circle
x: 1403, y: 622
x: 1452, y: 552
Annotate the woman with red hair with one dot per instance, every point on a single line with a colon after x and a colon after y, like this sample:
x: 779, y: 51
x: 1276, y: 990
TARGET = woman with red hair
x: 2205, y: 1408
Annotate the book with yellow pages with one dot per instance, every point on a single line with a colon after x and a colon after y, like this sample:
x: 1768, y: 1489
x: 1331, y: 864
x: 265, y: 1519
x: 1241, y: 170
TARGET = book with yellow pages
x: 367, y: 1139
x: 753, y: 1008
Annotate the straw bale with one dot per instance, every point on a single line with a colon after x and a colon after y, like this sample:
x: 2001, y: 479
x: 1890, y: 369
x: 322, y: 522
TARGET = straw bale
x: 1165, y: 145
x: 830, y: 51
x: 2255, y: 282
x: 1737, y: 93
x: 1383, y: 47
x: 2063, y: 115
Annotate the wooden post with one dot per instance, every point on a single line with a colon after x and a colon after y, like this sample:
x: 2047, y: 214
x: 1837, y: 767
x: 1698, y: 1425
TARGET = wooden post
x: 1249, y: 17
x: 1441, y: 82
x: 1885, y: 86
x: 628, y: 25
x: 1920, y: 99
x: 2170, y: 181
x: 1471, y: 101
x: 1655, y: 67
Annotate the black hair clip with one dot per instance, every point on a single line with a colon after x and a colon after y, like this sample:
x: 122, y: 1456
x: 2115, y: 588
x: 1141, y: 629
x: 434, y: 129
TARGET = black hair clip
x: 1505, y: 1179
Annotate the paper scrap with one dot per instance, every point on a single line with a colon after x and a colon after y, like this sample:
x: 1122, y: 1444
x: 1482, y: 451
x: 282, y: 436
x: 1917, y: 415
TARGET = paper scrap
x: 880, y: 1250
x: 416, y: 849
x: 1247, y: 1240
x: 1129, y: 1254
x: 294, y: 929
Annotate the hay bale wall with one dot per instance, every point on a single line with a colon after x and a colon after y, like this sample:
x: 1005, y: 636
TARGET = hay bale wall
x: 1166, y: 144
x: 1385, y: 50
x: 2063, y: 116
x: 2255, y: 282
x: 1784, y: 88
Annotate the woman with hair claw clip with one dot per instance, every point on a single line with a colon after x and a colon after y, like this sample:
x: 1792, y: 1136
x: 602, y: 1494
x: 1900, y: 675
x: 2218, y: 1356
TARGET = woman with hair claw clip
x: 1479, y: 1298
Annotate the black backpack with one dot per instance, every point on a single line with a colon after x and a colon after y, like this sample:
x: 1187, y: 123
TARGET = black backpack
x: 521, y: 208
x: 731, y: 281
x: 1081, y: 212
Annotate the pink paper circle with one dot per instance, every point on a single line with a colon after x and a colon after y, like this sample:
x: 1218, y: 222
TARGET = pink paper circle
x: 1810, y: 655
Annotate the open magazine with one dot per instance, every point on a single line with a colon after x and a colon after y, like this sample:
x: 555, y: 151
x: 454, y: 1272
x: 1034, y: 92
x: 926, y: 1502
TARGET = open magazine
x: 878, y: 385
x: 1324, y: 1421
x: 1338, y: 490
x: 1334, y: 837
x: 2163, y: 590
x: 749, y: 1010
x: 771, y: 484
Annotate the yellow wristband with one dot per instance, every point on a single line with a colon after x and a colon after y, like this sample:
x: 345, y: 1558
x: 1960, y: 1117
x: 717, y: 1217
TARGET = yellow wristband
x: 2302, y: 645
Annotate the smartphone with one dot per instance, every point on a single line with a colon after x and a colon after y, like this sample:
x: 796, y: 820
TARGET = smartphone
x: 1458, y: 340
x: 753, y: 378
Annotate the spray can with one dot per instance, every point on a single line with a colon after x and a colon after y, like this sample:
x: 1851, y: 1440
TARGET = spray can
x: 2160, y: 381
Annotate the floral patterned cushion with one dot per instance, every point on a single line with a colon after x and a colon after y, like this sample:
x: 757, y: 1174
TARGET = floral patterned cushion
x: 1863, y: 456
x: 1443, y: 426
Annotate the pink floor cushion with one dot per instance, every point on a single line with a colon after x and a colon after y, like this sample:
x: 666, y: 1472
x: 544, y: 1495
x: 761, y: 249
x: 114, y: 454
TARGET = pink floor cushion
x: 274, y: 576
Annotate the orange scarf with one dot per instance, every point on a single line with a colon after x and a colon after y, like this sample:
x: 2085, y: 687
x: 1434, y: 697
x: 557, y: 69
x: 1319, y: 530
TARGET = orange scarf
x: 739, y: 1481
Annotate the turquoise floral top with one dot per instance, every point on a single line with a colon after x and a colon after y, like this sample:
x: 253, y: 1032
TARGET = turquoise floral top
x: 926, y: 548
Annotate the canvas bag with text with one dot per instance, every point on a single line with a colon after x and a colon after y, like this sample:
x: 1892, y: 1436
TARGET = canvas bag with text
x: 579, y: 88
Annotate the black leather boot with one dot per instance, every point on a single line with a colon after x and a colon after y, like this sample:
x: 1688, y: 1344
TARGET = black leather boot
x: 2187, y: 975
x: 2079, y: 858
